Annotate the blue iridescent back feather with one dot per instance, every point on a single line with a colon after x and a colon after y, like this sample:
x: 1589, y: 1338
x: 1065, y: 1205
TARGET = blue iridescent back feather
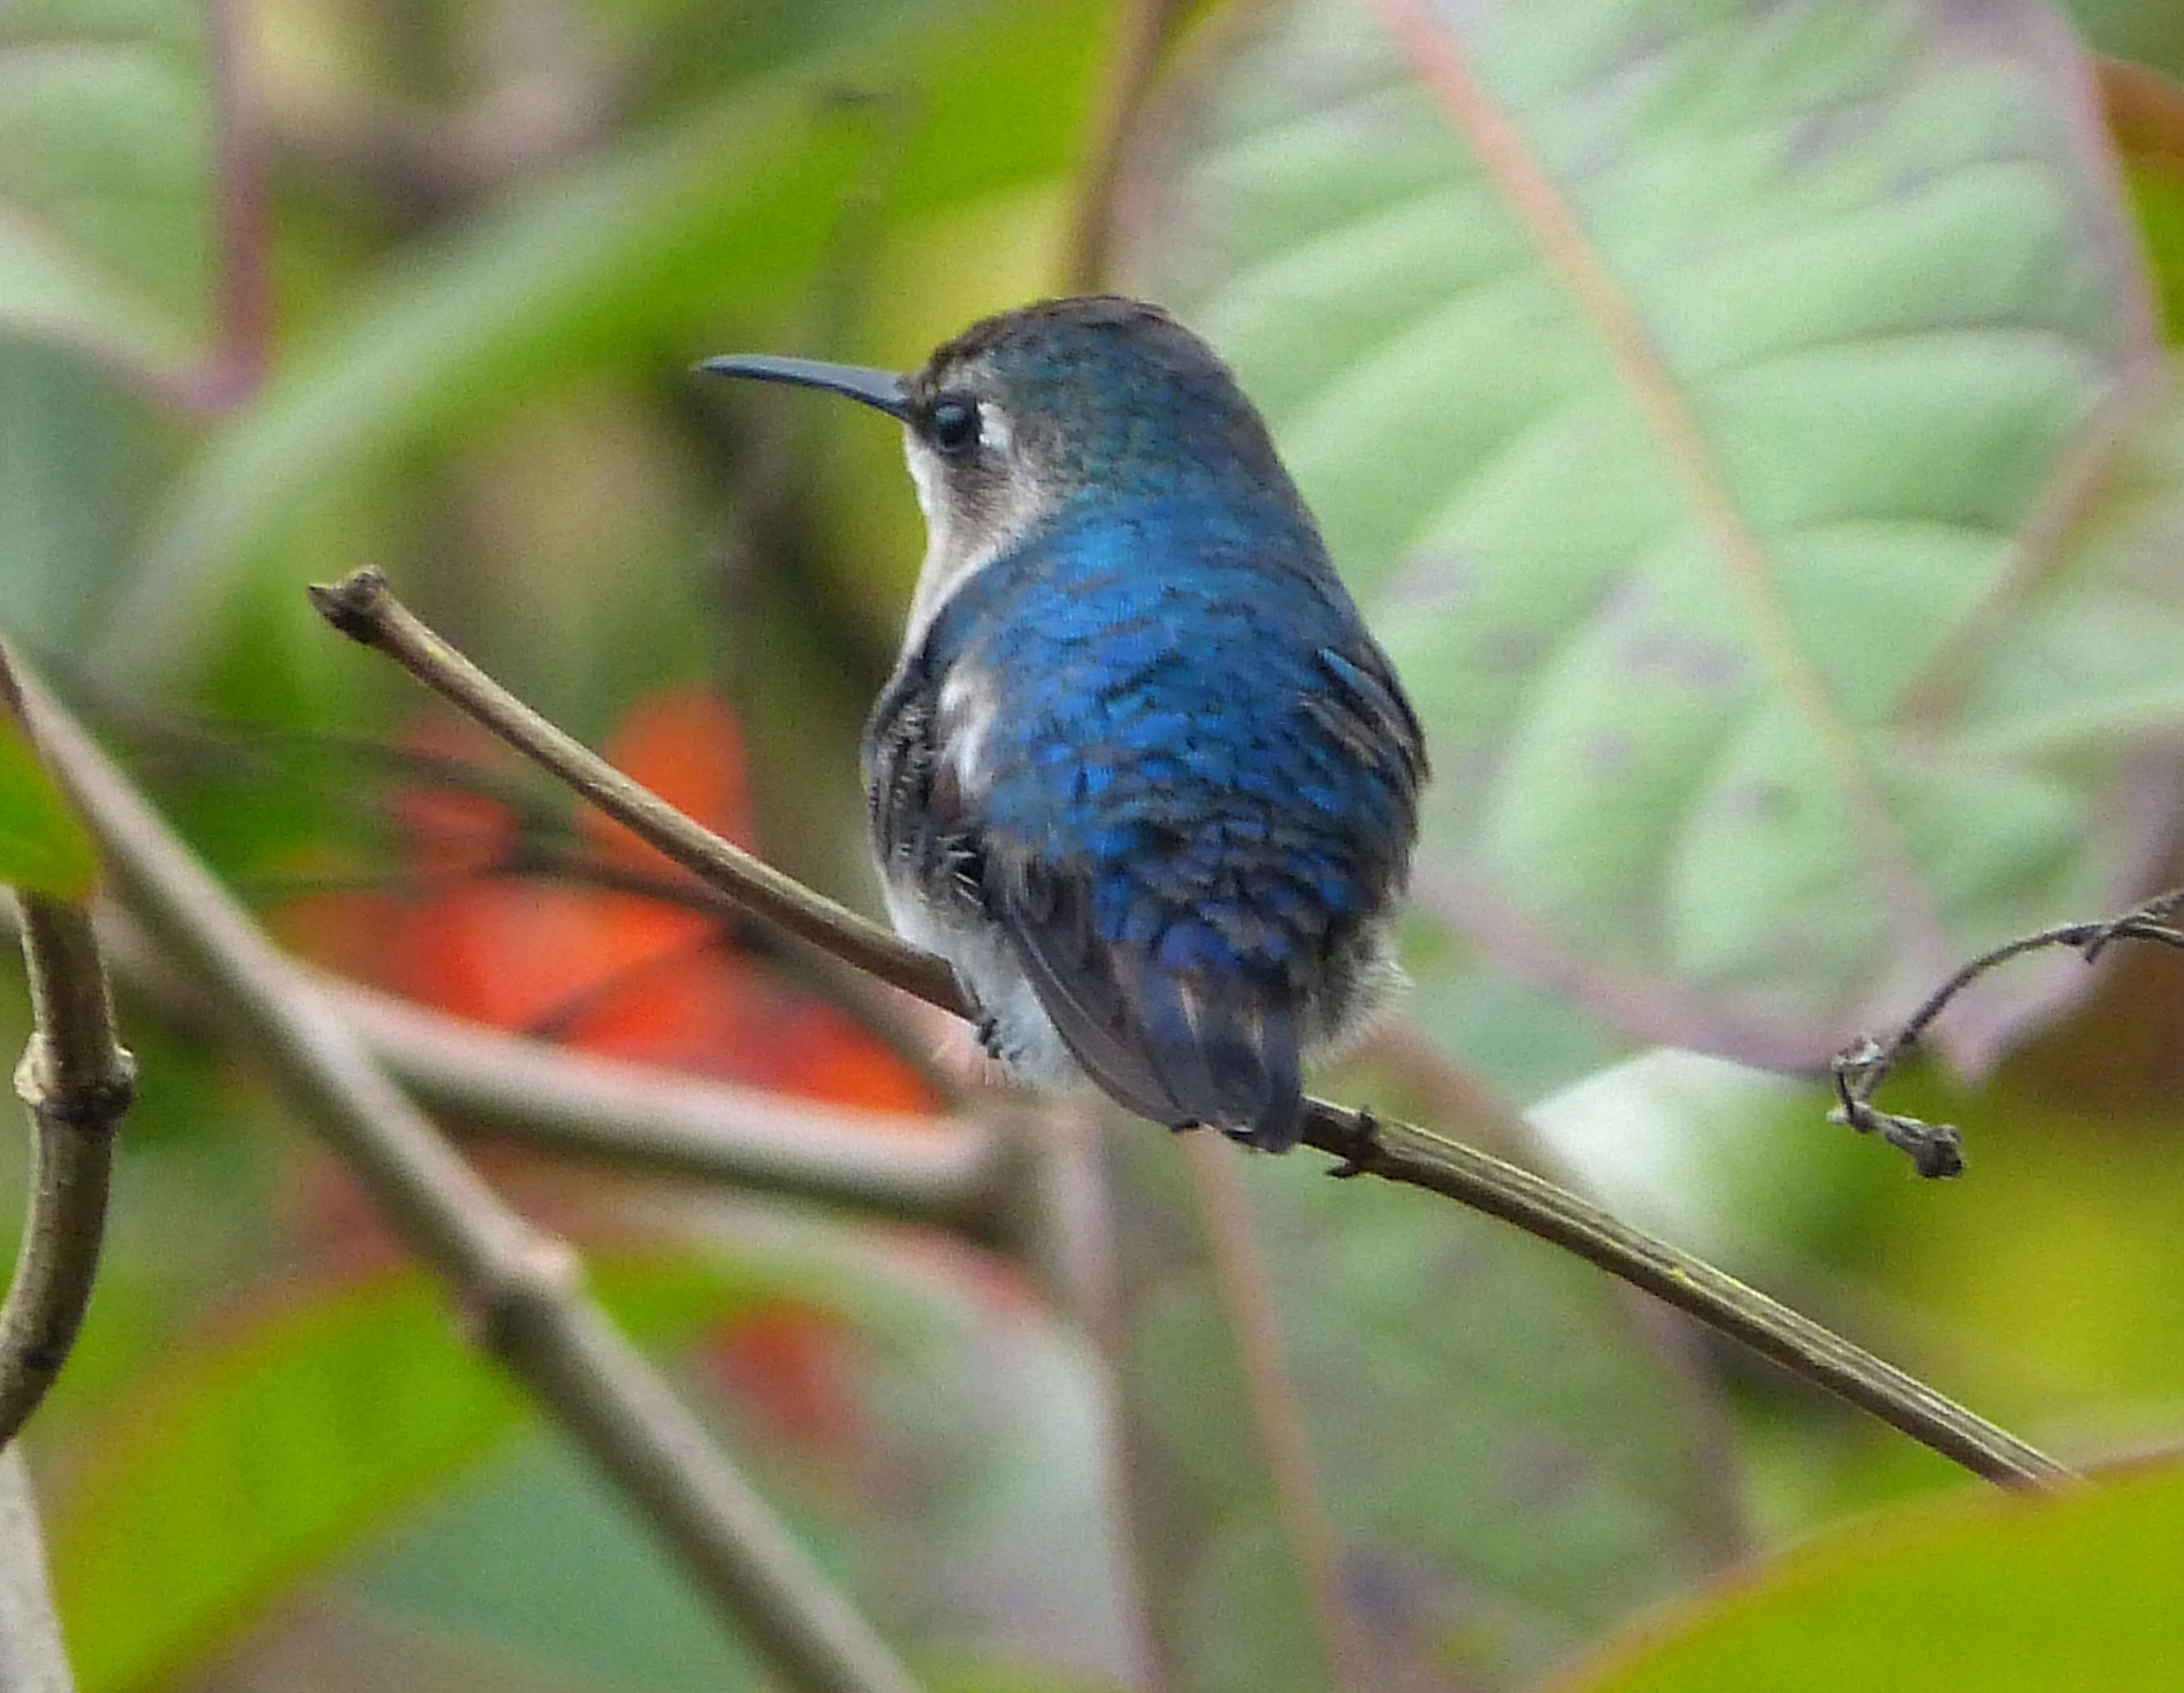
x: 1187, y: 796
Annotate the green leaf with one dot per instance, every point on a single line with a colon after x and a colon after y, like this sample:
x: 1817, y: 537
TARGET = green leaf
x: 44, y: 847
x: 957, y: 1488
x: 1698, y: 398
x: 274, y: 1441
x: 537, y: 1559
x: 107, y: 125
x: 714, y: 217
x: 2006, y: 1594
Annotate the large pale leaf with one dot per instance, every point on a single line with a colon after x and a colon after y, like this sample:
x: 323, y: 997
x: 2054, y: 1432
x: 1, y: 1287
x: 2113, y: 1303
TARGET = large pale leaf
x: 1724, y: 411
x: 106, y: 144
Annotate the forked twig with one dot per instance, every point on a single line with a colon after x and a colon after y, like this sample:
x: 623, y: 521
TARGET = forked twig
x: 1937, y: 1148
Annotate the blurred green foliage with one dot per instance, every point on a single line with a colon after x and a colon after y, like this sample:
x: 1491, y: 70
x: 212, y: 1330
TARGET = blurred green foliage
x: 1751, y: 427
x: 43, y: 848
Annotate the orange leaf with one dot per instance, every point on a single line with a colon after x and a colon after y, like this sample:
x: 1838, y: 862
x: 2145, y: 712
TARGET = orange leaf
x: 687, y: 746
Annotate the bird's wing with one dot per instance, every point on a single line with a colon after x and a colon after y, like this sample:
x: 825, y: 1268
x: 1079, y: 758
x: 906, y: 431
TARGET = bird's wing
x: 1176, y: 1042
x: 1366, y: 714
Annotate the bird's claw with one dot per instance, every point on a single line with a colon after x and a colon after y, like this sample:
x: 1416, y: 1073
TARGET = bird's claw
x: 1365, y: 1140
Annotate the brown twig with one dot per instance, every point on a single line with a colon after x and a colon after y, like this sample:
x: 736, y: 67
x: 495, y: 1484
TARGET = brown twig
x: 1142, y: 32
x: 77, y: 1080
x: 362, y: 607
x: 1937, y: 1148
x: 949, y: 1172
x: 518, y: 1287
x: 1272, y: 1413
x: 934, y: 1170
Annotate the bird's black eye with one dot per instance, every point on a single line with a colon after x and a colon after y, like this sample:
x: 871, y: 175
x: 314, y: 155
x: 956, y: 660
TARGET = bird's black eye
x: 953, y: 425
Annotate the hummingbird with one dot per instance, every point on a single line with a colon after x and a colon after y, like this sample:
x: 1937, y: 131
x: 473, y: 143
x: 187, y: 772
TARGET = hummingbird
x: 1141, y: 776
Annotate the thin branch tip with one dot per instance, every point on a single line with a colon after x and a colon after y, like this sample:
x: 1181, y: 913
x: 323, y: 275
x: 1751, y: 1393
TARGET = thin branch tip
x: 354, y: 605
x: 364, y: 608
x: 1401, y: 1151
x: 1935, y: 1149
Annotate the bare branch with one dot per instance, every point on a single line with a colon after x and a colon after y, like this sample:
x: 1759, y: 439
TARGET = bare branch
x: 1403, y: 1152
x: 940, y: 1170
x: 518, y: 1287
x: 77, y: 1079
x: 362, y: 607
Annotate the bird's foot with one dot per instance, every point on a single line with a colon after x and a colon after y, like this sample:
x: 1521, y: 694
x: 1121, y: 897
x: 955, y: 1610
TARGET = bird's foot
x: 1365, y: 1141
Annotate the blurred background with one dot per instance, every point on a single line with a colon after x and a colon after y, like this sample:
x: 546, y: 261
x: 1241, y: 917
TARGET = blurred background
x: 1750, y: 428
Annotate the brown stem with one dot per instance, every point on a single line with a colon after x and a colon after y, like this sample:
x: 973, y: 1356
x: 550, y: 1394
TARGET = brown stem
x: 1403, y: 1152
x: 362, y: 607
x: 1239, y: 1281
x: 77, y: 1079
x: 932, y: 1170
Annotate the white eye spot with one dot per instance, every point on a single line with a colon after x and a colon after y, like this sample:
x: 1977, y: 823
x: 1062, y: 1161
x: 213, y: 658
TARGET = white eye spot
x: 994, y: 427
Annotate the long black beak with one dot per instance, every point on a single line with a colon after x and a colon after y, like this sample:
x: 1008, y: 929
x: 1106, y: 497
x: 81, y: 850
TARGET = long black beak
x: 880, y: 389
